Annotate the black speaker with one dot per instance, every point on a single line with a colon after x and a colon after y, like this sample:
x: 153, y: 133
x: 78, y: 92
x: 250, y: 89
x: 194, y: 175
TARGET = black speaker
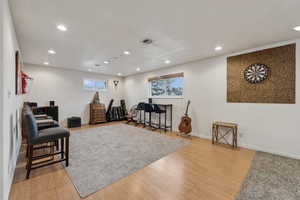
x: 52, y: 103
x: 150, y: 100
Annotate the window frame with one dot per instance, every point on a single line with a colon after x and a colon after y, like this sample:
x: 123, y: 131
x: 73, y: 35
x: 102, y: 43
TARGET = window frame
x: 94, y: 89
x: 165, y: 77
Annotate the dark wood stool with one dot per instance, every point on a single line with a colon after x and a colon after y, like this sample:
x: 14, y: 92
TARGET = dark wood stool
x: 46, y: 136
x: 232, y: 129
x: 159, y: 111
x: 148, y: 108
x: 139, y: 109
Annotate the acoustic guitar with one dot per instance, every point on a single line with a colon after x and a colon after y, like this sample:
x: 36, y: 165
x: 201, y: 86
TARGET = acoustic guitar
x: 185, y: 125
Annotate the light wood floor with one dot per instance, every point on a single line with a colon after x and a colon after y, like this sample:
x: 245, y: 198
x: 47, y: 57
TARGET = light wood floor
x: 198, y: 171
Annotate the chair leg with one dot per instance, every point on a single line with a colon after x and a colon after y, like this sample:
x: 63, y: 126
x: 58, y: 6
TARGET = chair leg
x: 213, y: 134
x: 165, y: 128
x: 140, y: 120
x: 62, y: 147
x: 144, y: 119
x: 29, y: 161
x: 67, y: 151
x: 159, y: 125
x: 236, y: 136
x: 217, y: 134
x: 137, y: 118
x: 233, y: 137
x: 27, y: 150
x: 56, y: 145
x: 150, y: 122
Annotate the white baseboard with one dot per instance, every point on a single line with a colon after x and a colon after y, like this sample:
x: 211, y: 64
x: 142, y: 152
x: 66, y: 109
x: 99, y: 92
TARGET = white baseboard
x: 280, y: 153
x: 255, y: 147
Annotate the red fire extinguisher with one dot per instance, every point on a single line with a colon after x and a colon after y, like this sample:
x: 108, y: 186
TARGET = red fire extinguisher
x: 25, y: 78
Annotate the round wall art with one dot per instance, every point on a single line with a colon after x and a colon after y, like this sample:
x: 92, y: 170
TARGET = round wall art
x: 256, y: 73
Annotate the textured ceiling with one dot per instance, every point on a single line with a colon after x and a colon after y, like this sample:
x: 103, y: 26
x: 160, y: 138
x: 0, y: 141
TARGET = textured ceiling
x: 182, y: 30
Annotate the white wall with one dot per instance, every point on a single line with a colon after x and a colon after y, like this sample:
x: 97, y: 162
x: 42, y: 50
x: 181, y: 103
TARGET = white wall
x: 66, y: 88
x: 10, y: 103
x: 267, y: 127
x: 1, y: 97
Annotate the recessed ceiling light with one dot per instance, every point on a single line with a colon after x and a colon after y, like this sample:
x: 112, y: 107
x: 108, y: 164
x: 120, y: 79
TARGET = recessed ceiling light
x: 127, y: 52
x: 51, y: 51
x: 167, y: 61
x: 138, y: 69
x: 119, y: 74
x: 46, y: 63
x: 297, y: 28
x: 218, y: 48
x: 61, y: 27
x: 106, y: 62
x: 89, y: 70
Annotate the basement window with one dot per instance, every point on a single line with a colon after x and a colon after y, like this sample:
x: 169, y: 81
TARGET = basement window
x: 167, y: 86
x: 95, y: 85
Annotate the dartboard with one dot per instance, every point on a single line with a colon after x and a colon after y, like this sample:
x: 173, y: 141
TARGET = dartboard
x: 256, y: 73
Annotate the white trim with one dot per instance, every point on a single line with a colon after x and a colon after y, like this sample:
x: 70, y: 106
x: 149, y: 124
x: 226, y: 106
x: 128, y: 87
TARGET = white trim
x: 280, y: 153
x: 166, y: 97
x: 254, y: 147
x: 1, y: 102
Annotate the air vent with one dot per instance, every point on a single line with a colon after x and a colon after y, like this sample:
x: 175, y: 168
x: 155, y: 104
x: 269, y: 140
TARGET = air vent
x: 147, y: 41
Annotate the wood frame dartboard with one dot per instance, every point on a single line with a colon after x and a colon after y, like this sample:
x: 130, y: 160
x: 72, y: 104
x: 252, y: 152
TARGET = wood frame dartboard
x: 276, y: 71
x: 256, y: 73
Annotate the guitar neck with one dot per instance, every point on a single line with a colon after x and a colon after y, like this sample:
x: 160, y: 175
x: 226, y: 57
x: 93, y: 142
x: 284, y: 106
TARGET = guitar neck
x: 187, y: 108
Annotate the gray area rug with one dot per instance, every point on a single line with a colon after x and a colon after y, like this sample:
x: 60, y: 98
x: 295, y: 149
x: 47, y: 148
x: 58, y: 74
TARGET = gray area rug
x: 272, y: 177
x: 100, y: 156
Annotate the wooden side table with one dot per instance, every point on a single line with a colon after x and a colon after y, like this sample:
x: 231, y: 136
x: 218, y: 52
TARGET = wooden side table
x: 232, y: 129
